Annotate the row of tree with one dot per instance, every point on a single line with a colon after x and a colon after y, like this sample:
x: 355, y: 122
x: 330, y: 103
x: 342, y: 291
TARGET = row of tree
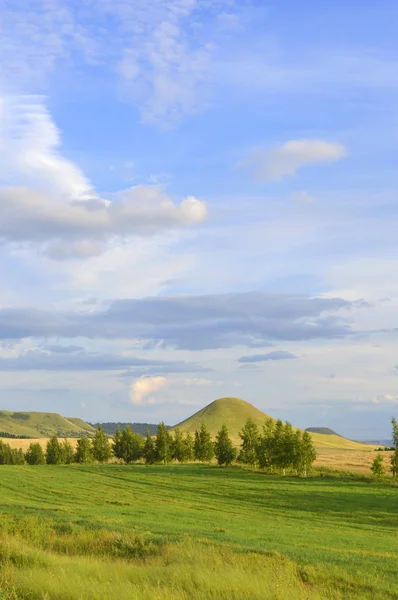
x: 277, y: 447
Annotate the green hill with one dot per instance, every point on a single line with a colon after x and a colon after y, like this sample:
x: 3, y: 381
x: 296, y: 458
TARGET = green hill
x: 41, y: 424
x: 233, y: 412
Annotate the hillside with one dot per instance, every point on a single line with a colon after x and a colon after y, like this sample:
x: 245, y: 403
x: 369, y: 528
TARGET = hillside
x: 41, y: 424
x: 324, y: 430
x: 82, y: 424
x: 233, y: 412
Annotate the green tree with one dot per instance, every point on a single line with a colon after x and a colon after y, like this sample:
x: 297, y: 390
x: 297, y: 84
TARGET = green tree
x: 5, y: 454
x: 394, y: 463
x: 54, y: 452
x: 67, y: 452
x: 177, y: 446
x: 265, y: 445
x: 277, y: 445
x: 188, y: 447
x: 377, y: 467
x: 287, y: 454
x: 163, y: 444
x: 223, y: 447
x: 102, y: 450
x: 298, y: 442
x: 84, y: 451
x: 394, y: 433
x: 35, y: 455
x: 308, y: 453
x: 148, y: 451
x: 131, y: 445
x: 117, y: 443
x: 394, y: 457
x: 196, y: 445
x: 203, y: 446
x: 250, y: 440
x: 19, y: 457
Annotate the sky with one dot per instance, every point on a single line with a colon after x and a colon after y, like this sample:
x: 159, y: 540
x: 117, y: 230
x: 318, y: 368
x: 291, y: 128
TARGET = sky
x: 198, y: 199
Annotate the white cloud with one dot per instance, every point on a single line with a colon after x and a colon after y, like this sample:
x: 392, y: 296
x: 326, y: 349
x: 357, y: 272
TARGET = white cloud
x: 159, y: 48
x: 141, y: 388
x: 29, y: 150
x: 286, y: 160
x: 47, y: 199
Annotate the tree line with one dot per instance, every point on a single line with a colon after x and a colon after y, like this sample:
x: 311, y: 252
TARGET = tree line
x: 278, y: 447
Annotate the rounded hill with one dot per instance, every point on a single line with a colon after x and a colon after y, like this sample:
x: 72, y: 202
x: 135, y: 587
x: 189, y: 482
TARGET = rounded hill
x: 232, y: 412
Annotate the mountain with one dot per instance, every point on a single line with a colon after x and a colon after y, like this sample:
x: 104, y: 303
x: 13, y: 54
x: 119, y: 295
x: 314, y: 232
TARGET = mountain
x: 41, y: 424
x: 323, y: 430
x: 234, y: 412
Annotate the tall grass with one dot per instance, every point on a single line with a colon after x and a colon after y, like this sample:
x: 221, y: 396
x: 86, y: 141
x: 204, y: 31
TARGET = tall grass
x: 193, y: 532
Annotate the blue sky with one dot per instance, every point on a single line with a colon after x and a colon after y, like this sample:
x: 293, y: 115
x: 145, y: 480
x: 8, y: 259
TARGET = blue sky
x: 198, y: 198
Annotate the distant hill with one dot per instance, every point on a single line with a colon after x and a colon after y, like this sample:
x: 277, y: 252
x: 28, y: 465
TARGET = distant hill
x: 382, y: 443
x: 323, y: 430
x: 41, y: 424
x: 233, y: 412
x: 140, y: 428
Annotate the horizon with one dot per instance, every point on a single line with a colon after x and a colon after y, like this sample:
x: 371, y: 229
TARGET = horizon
x: 199, y: 196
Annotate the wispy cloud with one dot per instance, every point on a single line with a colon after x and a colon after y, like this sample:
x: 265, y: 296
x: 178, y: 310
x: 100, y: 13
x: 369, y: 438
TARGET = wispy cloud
x: 191, y: 322
x: 160, y: 50
x: 286, y: 160
x: 275, y: 355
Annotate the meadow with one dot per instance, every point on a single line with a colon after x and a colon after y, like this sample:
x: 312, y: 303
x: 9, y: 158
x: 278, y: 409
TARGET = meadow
x: 194, y: 531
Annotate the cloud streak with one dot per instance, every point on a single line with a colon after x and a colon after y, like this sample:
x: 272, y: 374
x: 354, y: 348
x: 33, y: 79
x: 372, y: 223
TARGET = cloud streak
x: 191, y: 322
x: 275, y: 355
x: 58, y: 360
x: 288, y: 159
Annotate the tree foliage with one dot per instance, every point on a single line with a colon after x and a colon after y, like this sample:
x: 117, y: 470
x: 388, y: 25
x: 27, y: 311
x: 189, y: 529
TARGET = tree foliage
x: 131, y: 445
x: 67, y: 453
x: 377, y: 467
x: 54, y: 452
x: 35, y: 455
x: 84, y: 451
x: 163, y: 444
x: 148, y: 451
x: 102, y: 450
x: 224, y: 449
x: 250, y: 439
x: 11, y: 456
x: 203, y: 445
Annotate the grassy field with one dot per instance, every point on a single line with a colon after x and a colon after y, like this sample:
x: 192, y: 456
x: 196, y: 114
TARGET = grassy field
x: 194, y: 532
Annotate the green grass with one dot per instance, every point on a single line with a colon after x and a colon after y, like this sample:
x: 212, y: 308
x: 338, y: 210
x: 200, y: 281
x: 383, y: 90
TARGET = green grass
x: 199, y: 532
x: 40, y: 424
